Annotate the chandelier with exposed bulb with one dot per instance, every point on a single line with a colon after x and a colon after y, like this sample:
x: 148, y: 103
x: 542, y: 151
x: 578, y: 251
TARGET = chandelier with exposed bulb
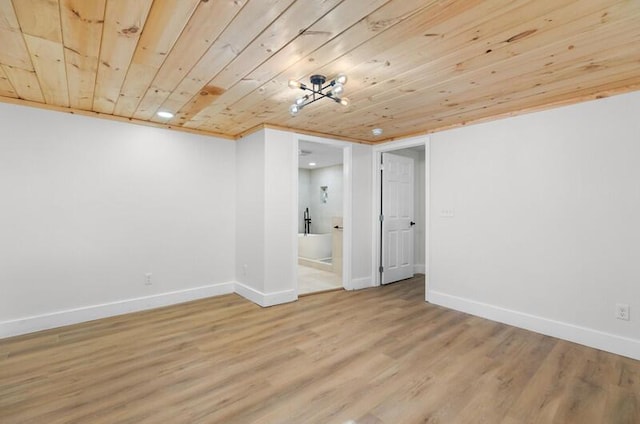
x: 318, y: 90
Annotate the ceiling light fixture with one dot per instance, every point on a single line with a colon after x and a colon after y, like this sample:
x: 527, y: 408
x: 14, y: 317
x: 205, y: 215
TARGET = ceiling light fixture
x: 334, y: 90
x: 164, y: 114
x: 377, y: 132
x: 312, y: 164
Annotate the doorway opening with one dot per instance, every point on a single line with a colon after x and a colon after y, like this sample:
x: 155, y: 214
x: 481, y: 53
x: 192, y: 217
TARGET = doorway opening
x: 401, y: 227
x: 321, y: 188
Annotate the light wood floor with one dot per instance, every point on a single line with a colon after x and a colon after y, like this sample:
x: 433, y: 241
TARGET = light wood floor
x: 373, y: 356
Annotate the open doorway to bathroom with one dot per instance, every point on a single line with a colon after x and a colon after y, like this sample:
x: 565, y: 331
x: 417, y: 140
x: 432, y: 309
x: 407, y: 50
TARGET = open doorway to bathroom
x: 320, y: 217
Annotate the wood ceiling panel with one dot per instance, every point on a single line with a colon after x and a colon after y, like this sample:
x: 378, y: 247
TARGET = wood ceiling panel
x: 41, y: 26
x: 563, y: 77
x: 6, y: 88
x: 414, y: 65
x: 82, y: 24
x: 368, y: 70
x: 48, y: 61
x: 291, y: 24
x: 249, y: 111
x: 440, y: 60
x: 14, y: 51
x: 562, y: 93
x: 123, y: 24
x: 17, y: 76
x: 475, y: 109
x: 205, y: 26
x: 192, y: 95
x: 372, y: 27
x: 567, y: 77
x: 165, y: 24
x: 189, y: 98
x: 25, y: 83
x: 544, y: 58
x: 439, y: 51
x: 345, y: 15
x: 39, y: 18
x: 572, y: 82
x: 446, y: 75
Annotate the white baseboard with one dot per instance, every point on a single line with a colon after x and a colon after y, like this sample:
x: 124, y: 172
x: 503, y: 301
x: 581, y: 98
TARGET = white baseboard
x: 93, y: 312
x: 419, y: 268
x: 249, y: 293
x: 586, y: 336
x: 265, y: 299
x: 361, y: 283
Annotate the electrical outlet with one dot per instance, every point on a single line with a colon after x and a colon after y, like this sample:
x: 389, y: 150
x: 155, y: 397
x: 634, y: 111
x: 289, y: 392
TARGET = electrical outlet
x: 245, y: 267
x: 622, y: 311
x: 147, y: 279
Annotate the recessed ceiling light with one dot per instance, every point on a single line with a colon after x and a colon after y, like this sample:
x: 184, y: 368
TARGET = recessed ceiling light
x: 165, y: 114
x: 377, y: 131
x: 312, y: 164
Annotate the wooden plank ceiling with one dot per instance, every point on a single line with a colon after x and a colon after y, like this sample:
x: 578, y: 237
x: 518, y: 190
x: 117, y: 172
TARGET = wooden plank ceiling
x: 222, y: 66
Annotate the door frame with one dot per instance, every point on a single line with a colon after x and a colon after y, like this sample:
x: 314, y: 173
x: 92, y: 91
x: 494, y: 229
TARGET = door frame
x: 346, y: 205
x: 389, y: 147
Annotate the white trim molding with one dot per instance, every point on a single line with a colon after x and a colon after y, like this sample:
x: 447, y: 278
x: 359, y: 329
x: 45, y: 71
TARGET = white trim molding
x: 378, y: 149
x: 105, y: 310
x: 361, y: 283
x: 89, y: 313
x: 574, y: 333
x: 347, y: 204
x: 265, y: 299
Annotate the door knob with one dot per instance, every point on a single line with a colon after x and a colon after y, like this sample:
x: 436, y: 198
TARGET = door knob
x: 412, y: 223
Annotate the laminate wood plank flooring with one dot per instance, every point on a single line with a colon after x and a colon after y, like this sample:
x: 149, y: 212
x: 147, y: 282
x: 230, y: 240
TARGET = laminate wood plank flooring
x: 374, y: 356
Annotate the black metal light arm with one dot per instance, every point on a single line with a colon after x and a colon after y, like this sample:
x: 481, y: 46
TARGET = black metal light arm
x: 320, y: 95
x: 318, y: 92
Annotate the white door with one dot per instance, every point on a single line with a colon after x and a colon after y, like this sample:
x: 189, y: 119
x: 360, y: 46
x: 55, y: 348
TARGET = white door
x: 397, y: 214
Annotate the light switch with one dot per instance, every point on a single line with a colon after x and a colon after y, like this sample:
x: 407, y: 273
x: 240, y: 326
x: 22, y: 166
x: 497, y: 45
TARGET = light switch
x: 447, y: 213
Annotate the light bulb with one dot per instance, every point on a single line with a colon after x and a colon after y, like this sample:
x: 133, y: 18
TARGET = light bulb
x: 301, y: 100
x: 337, y: 89
x: 341, y: 79
x: 344, y: 101
x: 294, y: 109
x: 164, y: 114
x: 294, y: 84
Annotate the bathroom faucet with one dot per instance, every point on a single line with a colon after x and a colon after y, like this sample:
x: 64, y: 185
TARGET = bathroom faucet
x: 307, y: 222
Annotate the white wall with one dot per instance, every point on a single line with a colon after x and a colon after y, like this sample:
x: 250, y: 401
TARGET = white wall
x: 281, y: 255
x: 304, y: 179
x: 266, y: 217
x: 250, y: 211
x: 361, y: 203
x: 88, y: 206
x: 546, y: 231
x: 309, y: 182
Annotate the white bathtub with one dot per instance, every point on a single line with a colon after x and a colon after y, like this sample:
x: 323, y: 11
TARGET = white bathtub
x: 314, y: 246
